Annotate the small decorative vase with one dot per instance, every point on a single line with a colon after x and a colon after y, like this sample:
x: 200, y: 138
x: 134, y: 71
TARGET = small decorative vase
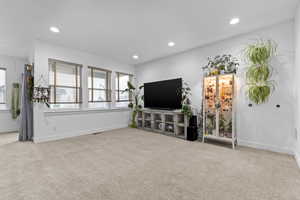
x: 160, y: 126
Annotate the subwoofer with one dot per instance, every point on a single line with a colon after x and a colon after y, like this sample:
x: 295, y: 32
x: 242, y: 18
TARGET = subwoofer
x: 193, y: 121
x: 192, y: 133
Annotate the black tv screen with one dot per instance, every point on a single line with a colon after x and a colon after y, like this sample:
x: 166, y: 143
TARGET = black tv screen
x: 163, y: 94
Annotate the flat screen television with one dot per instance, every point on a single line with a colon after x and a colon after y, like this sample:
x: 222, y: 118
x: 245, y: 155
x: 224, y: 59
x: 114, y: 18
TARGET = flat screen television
x: 163, y: 94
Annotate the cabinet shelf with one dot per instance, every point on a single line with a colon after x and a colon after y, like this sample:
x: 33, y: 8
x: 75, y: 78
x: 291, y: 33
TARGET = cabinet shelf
x: 171, y: 123
x: 213, y: 137
x: 180, y: 136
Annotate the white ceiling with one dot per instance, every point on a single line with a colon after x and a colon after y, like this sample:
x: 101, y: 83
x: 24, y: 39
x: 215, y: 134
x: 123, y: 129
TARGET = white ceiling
x: 120, y: 28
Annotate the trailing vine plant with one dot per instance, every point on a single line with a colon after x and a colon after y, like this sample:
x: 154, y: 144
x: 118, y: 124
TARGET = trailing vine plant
x: 258, y: 56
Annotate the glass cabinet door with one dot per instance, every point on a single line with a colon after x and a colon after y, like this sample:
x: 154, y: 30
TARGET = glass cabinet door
x: 225, y: 97
x: 210, y: 96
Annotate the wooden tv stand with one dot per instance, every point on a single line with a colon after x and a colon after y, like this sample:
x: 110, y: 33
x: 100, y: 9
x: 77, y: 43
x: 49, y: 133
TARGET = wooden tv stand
x: 171, y: 123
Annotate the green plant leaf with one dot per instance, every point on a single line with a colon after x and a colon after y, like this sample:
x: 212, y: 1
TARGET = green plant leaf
x: 130, y: 105
x: 258, y: 74
x: 130, y: 86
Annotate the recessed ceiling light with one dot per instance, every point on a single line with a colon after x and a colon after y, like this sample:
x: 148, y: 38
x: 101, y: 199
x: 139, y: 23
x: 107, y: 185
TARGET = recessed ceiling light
x: 171, y: 44
x: 54, y: 29
x: 135, y: 57
x: 234, y: 21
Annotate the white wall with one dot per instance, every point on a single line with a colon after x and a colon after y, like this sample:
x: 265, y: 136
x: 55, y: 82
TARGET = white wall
x: 50, y: 126
x: 14, y: 68
x: 297, y: 83
x: 263, y: 126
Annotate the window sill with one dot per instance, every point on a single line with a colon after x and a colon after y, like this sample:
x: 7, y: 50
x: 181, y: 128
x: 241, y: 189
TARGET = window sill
x: 4, y: 110
x: 55, y: 112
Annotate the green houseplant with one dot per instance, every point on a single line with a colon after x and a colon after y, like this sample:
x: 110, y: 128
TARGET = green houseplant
x: 221, y: 64
x: 136, y: 104
x: 15, y: 101
x: 211, y: 123
x: 186, y: 108
x: 259, y: 85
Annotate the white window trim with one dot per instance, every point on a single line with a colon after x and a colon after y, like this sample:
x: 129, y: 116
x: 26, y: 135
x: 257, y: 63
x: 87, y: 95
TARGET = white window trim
x: 84, y: 107
x: 80, y: 102
x: 108, y: 88
x: 116, y: 89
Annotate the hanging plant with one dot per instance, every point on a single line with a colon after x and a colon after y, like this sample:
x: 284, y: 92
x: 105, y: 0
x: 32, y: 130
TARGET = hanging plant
x: 260, y: 93
x: 258, y: 56
x: 257, y: 73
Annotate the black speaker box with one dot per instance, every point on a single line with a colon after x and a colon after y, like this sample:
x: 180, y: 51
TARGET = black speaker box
x: 193, y: 121
x: 192, y: 133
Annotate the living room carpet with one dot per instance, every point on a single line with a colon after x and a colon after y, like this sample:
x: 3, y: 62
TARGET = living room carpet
x: 6, y: 138
x: 133, y: 164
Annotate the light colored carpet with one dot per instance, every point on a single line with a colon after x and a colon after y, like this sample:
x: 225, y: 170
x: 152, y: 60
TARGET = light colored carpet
x: 7, y: 138
x: 130, y: 164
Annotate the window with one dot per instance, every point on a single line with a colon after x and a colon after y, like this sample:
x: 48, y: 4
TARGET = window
x: 65, y: 84
x: 121, y: 84
x: 99, y: 85
x: 2, y: 86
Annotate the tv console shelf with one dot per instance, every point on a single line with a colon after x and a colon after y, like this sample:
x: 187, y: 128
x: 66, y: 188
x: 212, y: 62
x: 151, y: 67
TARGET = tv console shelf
x: 171, y: 123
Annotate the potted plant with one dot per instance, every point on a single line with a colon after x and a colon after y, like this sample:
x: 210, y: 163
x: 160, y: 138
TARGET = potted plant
x: 210, y: 124
x: 186, y: 108
x: 259, y: 85
x: 224, y: 64
x: 222, y: 124
x: 136, y: 104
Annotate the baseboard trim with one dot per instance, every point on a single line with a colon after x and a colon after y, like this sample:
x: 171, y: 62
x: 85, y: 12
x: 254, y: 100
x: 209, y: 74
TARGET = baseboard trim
x: 4, y: 132
x: 264, y: 147
x: 72, y: 134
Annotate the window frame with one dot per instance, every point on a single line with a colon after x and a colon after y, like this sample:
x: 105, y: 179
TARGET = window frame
x: 5, y: 93
x: 78, y: 90
x: 107, y: 88
x: 118, y: 87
